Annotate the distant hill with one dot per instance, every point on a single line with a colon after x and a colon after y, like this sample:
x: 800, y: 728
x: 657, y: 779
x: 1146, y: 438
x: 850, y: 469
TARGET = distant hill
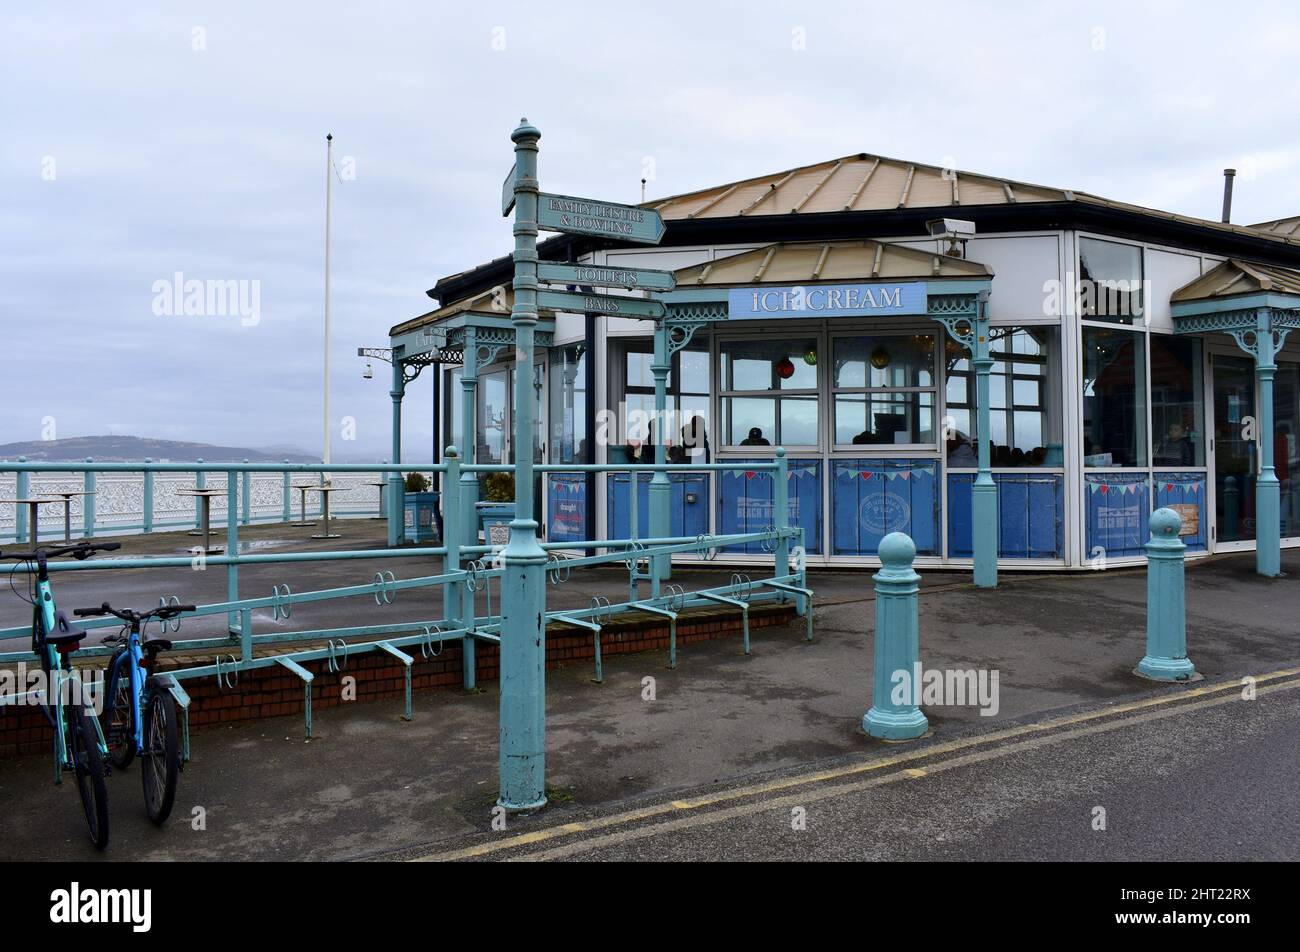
x: 134, y: 449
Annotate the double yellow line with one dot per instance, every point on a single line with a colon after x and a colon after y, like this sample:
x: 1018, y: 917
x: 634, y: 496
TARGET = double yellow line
x: 693, y: 804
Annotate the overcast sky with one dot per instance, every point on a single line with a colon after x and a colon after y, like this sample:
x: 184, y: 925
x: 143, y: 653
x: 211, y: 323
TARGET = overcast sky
x: 140, y: 140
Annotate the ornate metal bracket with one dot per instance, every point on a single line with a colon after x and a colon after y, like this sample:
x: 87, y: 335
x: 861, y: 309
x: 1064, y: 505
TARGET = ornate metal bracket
x: 953, y: 311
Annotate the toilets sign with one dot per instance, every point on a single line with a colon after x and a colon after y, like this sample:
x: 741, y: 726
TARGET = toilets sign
x: 828, y: 300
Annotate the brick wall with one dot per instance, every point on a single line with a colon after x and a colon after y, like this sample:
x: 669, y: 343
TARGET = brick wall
x: 274, y: 691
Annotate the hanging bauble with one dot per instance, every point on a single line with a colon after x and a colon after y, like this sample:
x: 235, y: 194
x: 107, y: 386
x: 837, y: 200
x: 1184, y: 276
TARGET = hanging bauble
x: 785, y: 368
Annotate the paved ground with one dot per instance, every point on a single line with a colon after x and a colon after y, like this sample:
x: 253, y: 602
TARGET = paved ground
x: 371, y: 785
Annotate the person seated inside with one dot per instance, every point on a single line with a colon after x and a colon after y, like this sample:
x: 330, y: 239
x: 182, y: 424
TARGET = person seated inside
x: 641, y: 452
x: 960, y: 452
x: 864, y: 438
x: 1176, y: 449
x: 694, y: 442
x: 755, y: 438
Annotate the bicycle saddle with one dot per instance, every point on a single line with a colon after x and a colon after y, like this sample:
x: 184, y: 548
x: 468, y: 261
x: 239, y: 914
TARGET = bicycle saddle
x: 64, y: 633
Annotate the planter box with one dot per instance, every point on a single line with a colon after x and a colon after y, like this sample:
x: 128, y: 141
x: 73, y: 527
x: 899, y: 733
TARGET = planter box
x: 494, y: 521
x: 420, y: 517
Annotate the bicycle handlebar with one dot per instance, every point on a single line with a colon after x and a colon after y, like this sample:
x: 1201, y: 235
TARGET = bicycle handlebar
x: 79, y: 551
x: 129, y: 615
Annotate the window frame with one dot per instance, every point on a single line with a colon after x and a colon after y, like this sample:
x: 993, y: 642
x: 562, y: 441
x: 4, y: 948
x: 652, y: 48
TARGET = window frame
x: 936, y: 407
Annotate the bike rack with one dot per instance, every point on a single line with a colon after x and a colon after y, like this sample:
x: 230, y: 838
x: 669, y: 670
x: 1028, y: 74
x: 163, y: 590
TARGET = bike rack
x: 672, y: 626
x: 407, y: 661
x: 169, y: 624
x: 281, y: 602
x: 178, y: 693
x: 227, y: 680
x: 803, y: 593
x: 307, y: 679
x: 734, y: 603
x: 334, y: 646
x: 385, y: 590
x: 592, y: 627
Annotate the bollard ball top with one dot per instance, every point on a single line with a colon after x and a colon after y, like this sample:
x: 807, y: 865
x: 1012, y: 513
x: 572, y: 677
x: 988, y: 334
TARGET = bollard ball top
x: 897, y: 550
x: 1165, y: 524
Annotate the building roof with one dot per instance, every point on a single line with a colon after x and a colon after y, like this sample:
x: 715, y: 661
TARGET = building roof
x: 864, y: 183
x: 795, y: 262
x: 1234, y: 277
x: 1287, y: 227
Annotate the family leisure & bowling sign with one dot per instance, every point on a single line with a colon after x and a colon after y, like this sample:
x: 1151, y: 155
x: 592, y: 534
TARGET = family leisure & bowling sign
x: 828, y: 300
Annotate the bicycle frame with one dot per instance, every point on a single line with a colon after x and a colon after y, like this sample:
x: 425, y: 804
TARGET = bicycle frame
x: 44, y: 620
x: 137, y: 684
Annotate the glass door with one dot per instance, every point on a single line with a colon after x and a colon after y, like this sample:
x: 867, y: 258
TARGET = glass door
x: 1236, y: 461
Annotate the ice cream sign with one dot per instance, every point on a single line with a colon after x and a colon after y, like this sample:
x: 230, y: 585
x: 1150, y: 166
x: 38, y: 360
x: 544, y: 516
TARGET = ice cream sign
x: 828, y: 300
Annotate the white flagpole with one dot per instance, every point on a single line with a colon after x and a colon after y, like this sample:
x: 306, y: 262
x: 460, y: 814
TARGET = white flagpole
x: 329, y: 174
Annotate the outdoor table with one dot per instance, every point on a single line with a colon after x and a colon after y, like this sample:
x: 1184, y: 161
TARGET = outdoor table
x: 325, y: 512
x: 205, y: 515
x: 66, y: 496
x: 382, y: 485
x: 302, y: 504
x: 33, y: 504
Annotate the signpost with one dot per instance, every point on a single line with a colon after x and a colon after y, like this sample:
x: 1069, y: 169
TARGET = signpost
x: 592, y: 275
x: 614, y: 306
x: 584, y: 216
x: 508, y: 192
x: 522, y: 761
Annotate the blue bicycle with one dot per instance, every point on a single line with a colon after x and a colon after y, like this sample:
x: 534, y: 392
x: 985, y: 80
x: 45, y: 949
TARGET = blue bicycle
x: 140, y: 713
x: 78, y: 742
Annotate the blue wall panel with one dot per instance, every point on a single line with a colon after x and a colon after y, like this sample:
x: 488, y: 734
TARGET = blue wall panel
x: 1186, y: 491
x: 1118, y: 506
x: 689, y: 505
x: 1031, y: 515
x: 566, y: 507
x: 745, y: 501
x: 871, y: 498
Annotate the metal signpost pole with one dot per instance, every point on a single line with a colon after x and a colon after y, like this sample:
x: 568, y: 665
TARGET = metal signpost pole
x: 523, y: 641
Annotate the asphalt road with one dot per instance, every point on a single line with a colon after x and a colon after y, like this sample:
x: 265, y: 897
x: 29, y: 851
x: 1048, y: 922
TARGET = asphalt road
x: 1202, y: 775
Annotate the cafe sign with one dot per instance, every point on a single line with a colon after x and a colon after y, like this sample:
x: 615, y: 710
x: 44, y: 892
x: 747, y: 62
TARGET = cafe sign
x: 828, y: 300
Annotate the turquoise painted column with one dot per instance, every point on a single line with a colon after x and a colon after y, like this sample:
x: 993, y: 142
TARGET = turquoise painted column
x: 285, y: 501
x: 523, y: 596
x: 396, y: 507
x: 146, y: 521
x: 1268, y: 497
x: 897, y: 644
x: 781, y: 512
x: 660, y: 496
x: 233, y: 621
x: 984, y: 494
x: 88, y: 503
x: 21, y: 482
x: 468, y: 495
x: 247, y: 479
x: 1166, y: 658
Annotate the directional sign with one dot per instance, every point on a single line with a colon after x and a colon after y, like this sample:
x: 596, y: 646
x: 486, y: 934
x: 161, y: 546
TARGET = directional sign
x: 508, y: 192
x: 634, y: 279
x: 583, y: 216
x: 577, y: 303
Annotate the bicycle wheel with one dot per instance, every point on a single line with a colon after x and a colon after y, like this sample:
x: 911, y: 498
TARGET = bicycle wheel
x: 89, y: 766
x: 160, y: 761
x: 119, y: 716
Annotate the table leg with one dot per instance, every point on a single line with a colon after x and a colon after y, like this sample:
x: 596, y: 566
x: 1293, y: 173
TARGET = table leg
x: 67, y: 521
x: 34, y: 507
x: 325, y: 519
x: 206, y: 508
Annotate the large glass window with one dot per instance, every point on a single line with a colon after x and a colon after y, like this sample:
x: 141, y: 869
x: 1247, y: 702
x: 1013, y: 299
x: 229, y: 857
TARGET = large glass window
x: 687, y: 426
x: 1114, y: 398
x: 1110, y: 281
x: 884, y: 390
x: 568, y: 416
x: 1177, y: 402
x: 769, y: 392
x: 1024, y: 400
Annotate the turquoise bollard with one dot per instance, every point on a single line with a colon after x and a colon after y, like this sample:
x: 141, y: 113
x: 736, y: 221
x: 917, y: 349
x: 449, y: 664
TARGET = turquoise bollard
x: 897, y: 642
x: 1166, y: 658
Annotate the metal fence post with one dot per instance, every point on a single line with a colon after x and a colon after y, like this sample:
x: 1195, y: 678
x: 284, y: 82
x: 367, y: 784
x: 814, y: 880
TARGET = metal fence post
x: 235, y: 624
x: 88, y: 503
x: 247, y: 476
x: 894, y: 714
x: 146, y: 520
x: 1166, y: 658
x: 453, y: 598
x: 286, y: 503
x: 21, y: 481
